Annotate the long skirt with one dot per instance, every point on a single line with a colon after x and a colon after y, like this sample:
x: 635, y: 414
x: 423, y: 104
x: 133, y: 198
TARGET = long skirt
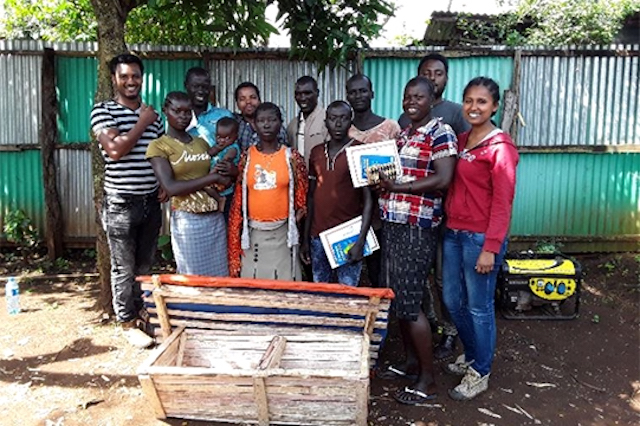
x: 269, y: 257
x: 408, y: 254
x: 199, y: 243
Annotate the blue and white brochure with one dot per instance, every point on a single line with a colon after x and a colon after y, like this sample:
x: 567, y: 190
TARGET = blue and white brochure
x: 361, y: 157
x: 338, y: 240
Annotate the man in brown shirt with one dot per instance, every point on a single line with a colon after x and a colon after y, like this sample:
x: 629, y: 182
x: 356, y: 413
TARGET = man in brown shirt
x: 333, y: 200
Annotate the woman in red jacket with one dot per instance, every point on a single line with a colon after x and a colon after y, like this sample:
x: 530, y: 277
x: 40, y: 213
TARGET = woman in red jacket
x: 478, y: 211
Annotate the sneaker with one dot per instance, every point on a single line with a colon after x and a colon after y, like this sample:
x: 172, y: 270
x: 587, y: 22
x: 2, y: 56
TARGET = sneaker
x: 472, y: 385
x: 459, y: 367
x: 135, y: 336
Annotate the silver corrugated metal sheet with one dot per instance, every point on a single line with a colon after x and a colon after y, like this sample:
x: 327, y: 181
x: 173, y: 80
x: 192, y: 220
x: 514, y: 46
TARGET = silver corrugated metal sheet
x: 276, y: 80
x: 75, y: 188
x: 581, y: 100
x: 23, y: 45
x: 20, y: 81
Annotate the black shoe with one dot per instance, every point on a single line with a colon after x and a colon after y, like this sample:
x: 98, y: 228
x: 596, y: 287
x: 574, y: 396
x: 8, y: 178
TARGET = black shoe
x: 445, y: 349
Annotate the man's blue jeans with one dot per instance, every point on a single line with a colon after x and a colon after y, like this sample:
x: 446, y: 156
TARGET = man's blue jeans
x: 469, y: 296
x: 132, y: 224
x: 348, y: 274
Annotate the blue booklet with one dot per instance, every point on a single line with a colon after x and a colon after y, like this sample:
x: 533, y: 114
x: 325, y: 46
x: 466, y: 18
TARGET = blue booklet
x: 367, y: 161
x: 338, y: 240
x: 341, y: 248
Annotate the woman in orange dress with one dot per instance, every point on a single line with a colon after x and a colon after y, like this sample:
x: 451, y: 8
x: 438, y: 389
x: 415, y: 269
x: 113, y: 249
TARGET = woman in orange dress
x: 270, y: 199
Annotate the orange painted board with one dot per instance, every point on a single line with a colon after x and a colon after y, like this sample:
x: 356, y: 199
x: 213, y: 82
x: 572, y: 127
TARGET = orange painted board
x: 227, y: 282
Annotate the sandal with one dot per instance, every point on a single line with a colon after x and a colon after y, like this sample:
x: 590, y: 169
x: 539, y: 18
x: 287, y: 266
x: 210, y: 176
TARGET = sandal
x: 391, y: 373
x: 410, y: 396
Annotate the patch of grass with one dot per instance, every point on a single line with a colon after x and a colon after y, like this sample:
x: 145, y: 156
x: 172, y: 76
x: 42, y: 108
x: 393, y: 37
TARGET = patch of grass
x: 61, y: 264
x: 547, y: 246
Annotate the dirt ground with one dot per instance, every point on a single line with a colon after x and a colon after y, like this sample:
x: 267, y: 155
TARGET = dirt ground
x: 60, y: 364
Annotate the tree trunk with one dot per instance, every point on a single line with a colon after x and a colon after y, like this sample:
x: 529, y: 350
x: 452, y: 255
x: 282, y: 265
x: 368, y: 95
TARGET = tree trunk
x: 48, y: 140
x: 111, y: 17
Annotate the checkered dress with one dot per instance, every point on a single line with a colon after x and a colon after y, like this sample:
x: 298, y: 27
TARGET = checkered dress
x: 199, y: 243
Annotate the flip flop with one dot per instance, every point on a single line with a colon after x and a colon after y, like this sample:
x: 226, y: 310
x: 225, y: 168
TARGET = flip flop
x: 411, y: 396
x: 391, y: 373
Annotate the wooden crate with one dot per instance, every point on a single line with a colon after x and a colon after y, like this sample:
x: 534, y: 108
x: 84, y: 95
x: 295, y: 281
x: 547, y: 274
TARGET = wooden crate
x: 265, y: 352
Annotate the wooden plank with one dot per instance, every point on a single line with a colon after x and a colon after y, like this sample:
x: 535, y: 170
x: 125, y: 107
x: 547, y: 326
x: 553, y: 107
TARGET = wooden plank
x: 269, y: 318
x: 332, y: 306
x: 273, y: 354
x: 168, y: 357
x: 284, y: 286
x: 362, y: 403
x: 187, y: 372
x: 371, y: 316
x: 253, y: 328
x: 292, y: 334
x: 221, y: 329
x: 159, y: 351
x: 260, y: 395
x: 182, y: 377
x: 149, y: 391
x: 262, y: 294
x: 163, y: 315
x: 365, y: 364
x: 181, y: 348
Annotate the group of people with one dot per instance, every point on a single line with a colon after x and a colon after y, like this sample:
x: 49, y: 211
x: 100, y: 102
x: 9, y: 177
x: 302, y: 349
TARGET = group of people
x: 250, y: 198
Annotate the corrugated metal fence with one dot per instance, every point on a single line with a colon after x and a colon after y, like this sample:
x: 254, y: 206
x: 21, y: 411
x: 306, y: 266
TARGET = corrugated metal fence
x: 389, y: 74
x: 580, y: 100
x: 572, y: 97
x: 20, y: 107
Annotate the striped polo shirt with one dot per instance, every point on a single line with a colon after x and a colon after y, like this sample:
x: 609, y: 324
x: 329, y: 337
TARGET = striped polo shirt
x: 131, y: 174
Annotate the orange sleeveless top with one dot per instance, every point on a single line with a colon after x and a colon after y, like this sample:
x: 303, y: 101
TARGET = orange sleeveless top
x: 268, y: 186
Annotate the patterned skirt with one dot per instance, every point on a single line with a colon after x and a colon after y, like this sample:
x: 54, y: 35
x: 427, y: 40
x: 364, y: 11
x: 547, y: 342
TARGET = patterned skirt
x: 407, y: 258
x: 269, y: 257
x: 199, y: 243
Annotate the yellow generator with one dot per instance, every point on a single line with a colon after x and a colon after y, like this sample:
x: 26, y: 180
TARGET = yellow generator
x: 535, y: 286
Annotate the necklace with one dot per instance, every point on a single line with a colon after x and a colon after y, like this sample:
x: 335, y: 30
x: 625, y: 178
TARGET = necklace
x: 331, y: 161
x: 268, y: 159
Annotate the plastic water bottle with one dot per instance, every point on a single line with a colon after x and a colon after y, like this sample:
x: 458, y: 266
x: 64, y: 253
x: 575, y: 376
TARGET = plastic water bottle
x: 12, y: 293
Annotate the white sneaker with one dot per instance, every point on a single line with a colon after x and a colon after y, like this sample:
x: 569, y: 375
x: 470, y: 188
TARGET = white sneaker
x: 459, y: 367
x: 135, y: 336
x: 472, y: 385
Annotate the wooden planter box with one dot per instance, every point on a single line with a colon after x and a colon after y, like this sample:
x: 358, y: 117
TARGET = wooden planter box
x: 277, y: 356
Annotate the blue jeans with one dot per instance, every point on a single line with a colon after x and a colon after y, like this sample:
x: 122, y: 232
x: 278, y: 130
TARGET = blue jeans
x: 132, y: 224
x: 469, y: 296
x: 348, y: 274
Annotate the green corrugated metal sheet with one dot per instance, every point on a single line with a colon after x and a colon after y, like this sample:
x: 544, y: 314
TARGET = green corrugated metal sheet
x: 162, y: 76
x: 76, y: 83
x: 577, y: 195
x: 21, y: 185
x: 389, y: 75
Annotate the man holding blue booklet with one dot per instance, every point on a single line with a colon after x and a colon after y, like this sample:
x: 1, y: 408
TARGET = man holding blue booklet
x: 333, y: 200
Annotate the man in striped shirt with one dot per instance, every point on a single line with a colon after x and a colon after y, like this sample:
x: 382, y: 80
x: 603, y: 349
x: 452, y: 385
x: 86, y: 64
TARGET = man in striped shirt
x: 131, y: 214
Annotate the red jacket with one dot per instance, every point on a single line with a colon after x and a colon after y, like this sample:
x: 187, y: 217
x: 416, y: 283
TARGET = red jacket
x: 480, y: 197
